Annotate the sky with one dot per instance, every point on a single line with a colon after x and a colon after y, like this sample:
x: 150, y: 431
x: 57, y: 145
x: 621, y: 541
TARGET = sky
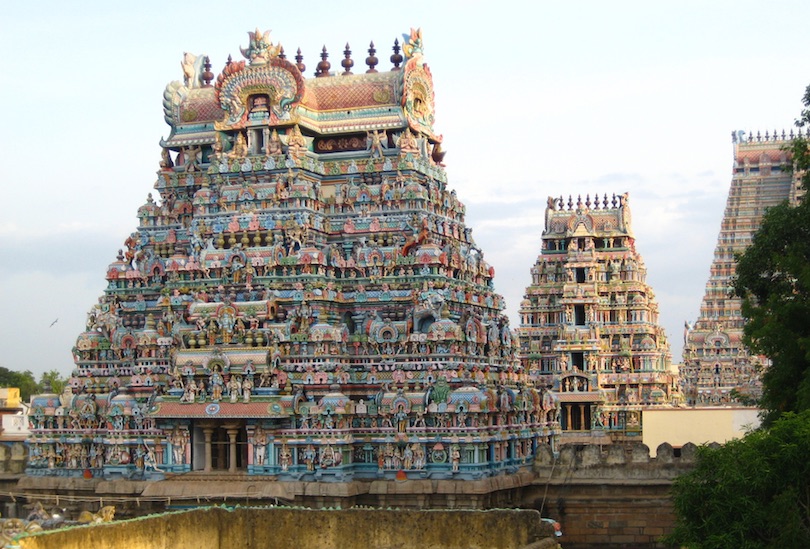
x: 533, y: 99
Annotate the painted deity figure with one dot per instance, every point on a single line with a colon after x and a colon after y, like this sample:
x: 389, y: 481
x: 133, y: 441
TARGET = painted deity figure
x: 327, y: 458
x: 150, y: 459
x: 240, y: 149
x: 296, y: 143
x: 285, y: 457
x: 374, y: 142
x: 260, y: 444
x: 188, y: 64
x: 178, y: 440
x: 455, y: 456
x: 190, y: 392
x: 273, y: 147
x: 407, y: 457
x: 216, y: 383
x: 408, y: 143
x: 66, y: 398
x: 235, y: 388
x: 309, y: 457
x: 402, y: 419
x: 247, y: 388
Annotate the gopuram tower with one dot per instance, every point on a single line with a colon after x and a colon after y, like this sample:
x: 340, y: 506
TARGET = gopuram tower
x: 303, y: 300
x: 717, y: 367
x: 589, y: 321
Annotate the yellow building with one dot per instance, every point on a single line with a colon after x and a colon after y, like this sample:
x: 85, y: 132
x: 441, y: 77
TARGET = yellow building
x: 678, y: 426
x: 9, y: 397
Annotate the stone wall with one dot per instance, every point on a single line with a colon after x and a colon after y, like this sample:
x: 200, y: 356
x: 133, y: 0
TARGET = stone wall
x: 249, y: 528
x: 611, y: 496
x: 604, y: 496
x: 13, y: 455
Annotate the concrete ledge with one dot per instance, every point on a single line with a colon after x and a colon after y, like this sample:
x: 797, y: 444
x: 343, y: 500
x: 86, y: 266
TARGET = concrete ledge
x: 59, y: 483
x: 254, y: 528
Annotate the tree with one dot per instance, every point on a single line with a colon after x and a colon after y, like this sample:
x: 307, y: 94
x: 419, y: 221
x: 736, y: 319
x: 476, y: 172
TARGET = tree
x: 53, y: 379
x: 773, y: 279
x: 27, y: 383
x: 23, y: 380
x: 749, y: 493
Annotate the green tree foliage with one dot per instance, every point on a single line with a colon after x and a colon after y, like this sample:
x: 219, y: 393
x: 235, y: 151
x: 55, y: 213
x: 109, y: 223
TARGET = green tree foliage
x: 749, y: 493
x: 53, y: 379
x: 25, y: 381
x: 773, y: 278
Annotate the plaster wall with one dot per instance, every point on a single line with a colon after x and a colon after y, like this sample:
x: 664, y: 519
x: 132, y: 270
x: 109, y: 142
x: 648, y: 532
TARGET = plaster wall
x: 12, y: 456
x: 678, y: 426
x: 248, y: 528
x: 16, y: 425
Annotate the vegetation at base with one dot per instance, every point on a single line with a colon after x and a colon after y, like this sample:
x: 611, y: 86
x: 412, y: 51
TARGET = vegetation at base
x: 27, y: 383
x: 773, y: 278
x: 749, y: 493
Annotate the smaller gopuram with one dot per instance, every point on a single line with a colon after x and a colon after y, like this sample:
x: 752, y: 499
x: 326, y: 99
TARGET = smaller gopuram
x: 717, y: 368
x: 589, y: 321
x: 302, y: 299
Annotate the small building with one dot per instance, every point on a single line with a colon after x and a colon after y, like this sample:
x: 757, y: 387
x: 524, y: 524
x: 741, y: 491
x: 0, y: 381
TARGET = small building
x: 698, y: 425
x: 14, y: 417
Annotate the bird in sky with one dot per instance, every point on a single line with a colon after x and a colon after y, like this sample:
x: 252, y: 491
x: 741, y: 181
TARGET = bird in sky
x: 54, y: 322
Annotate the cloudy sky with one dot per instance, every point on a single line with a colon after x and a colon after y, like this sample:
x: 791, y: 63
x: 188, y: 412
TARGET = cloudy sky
x: 533, y: 98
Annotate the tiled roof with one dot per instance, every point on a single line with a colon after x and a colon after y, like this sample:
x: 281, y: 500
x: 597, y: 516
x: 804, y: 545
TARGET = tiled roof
x: 215, y: 410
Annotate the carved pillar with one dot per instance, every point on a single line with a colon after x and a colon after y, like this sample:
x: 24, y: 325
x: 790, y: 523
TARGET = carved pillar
x: 232, y: 446
x: 582, y: 424
x: 251, y: 459
x: 208, y: 432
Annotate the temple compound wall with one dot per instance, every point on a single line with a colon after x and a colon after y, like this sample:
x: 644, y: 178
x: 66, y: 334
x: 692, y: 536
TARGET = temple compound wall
x: 717, y: 368
x: 612, y: 496
x: 302, y: 301
x: 259, y: 528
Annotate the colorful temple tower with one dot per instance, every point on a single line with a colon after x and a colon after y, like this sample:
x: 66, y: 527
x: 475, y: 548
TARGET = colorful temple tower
x: 589, y: 321
x: 303, y: 301
x: 717, y: 367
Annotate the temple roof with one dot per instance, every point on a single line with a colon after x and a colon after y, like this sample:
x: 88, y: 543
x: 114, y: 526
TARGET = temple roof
x: 602, y: 217
x: 216, y: 409
x: 328, y: 104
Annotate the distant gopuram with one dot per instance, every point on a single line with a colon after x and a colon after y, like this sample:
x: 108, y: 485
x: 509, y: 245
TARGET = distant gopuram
x: 303, y: 300
x: 717, y: 367
x: 589, y: 321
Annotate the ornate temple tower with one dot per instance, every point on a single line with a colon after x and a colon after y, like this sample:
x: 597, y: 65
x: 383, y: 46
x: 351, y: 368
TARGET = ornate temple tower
x: 717, y: 368
x: 304, y: 300
x: 589, y: 321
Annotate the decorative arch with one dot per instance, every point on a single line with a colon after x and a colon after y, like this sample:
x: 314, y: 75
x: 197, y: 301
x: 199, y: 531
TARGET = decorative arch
x: 278, y: 79
x: 387, y: 333
x: 418, y: 98
x: 400, y: 401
